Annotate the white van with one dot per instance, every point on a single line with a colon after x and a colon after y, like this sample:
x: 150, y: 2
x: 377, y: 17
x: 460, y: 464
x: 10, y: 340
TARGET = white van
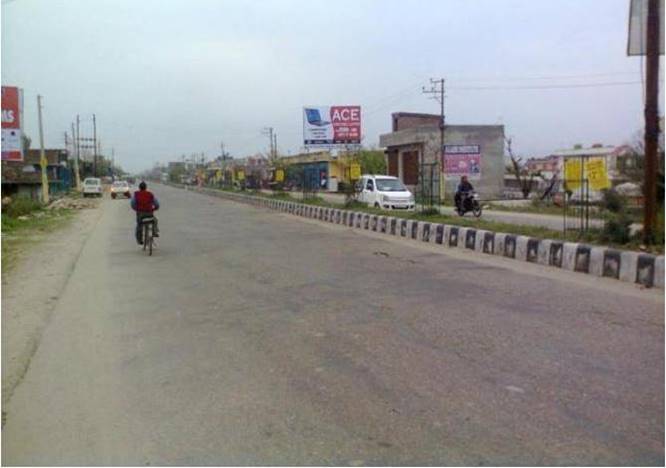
x: 385, y: 192
x: 92, y: 186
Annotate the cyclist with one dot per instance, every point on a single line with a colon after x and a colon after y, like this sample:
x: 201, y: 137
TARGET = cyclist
x: 144, y: 203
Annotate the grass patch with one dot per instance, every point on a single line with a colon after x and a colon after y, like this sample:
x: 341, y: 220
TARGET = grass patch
x: 18, y: 234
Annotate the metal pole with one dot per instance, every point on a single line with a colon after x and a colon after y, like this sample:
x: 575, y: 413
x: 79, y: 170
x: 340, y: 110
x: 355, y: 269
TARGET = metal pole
x: 651, y: 120
x: 441, y: 136
x: 75, y: 154
x: 42, y: 154
x: 94, y: 146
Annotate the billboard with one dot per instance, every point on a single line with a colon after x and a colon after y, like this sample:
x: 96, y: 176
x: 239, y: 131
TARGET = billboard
x: 636, y: 42
x: 12, y: 111
x: 593, y: 170
x: 331, y: 125
x: 462, y: 160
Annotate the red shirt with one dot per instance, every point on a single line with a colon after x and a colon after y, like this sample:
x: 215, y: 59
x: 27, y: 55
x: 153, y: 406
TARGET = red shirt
x: 144, y: 201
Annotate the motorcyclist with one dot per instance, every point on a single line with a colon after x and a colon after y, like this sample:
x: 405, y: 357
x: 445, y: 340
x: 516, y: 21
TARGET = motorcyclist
x: 144, y: 203
x: 464, y: 189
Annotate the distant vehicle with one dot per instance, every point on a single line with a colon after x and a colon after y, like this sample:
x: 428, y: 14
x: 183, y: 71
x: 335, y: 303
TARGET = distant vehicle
x: 92, y: 186
x: 469, y: 202
x: 385, y: 192
x: 120, y: 188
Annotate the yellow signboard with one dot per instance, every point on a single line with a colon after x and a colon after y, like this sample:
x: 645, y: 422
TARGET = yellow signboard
x: 241, y: 175
x: 594, y: 170
x: 572, y: 173
x: 355, y: 171
x: 279, y: 175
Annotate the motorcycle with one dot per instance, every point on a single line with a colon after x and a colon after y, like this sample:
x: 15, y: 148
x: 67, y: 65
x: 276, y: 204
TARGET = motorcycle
x: 469, y: 202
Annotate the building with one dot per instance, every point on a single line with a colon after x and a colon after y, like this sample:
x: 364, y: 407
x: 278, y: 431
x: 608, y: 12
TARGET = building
x: 548, y: 166
x: 24, y: 178
x: 318, y: 170
x: 473, y: 150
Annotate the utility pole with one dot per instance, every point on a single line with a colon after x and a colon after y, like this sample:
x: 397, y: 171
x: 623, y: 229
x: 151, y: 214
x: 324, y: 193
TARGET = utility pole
x: 94, y: 146
x: 42, y: 155
x: 75, y: 157
x: 438, y: 95
x: 269, y: 131
x: 275, y: 145
x: 651, y: 120
x: 222, y: 149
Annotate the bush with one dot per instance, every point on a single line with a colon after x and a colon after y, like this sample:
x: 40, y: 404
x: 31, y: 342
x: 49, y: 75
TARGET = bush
x: 616, y: 229
x: 613, y: 201
x: 21, y: 206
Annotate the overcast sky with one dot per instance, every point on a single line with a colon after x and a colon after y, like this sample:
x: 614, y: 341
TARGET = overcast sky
x: 167, y: 78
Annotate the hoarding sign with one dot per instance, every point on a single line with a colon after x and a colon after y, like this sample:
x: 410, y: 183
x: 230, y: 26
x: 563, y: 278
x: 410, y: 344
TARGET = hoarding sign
x: 594, y: 170
x: 637, y: 43
x: 355, y: 171
x: 279, y: 175
x: 12, y: 149
x: 462, y: 160
x: 331, y: 125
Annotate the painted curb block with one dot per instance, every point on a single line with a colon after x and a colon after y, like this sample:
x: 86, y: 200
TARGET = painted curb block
x: 627, y: 266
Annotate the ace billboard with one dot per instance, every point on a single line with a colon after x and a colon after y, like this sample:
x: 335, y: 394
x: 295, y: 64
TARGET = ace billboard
x: 12, y: 110
x: 331, y: 125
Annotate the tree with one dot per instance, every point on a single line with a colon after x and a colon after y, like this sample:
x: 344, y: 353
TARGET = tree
x: 372, y: 161
x: 523, y: 176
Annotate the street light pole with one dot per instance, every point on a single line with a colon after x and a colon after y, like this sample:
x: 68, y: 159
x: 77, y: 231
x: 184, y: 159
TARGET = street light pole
x: 42, y: 154
x: 651, y: 120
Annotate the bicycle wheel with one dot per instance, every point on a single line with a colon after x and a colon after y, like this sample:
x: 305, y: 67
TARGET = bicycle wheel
x: 150, y: 241
x: 145, y: 235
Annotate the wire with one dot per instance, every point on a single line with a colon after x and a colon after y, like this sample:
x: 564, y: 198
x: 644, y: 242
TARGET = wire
x: 561, y: 86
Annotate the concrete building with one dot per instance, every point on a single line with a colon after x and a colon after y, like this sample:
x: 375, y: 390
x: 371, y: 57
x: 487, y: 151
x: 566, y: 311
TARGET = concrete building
x: 321, y: 170
x: 475, y: 150
x: 24, y: 178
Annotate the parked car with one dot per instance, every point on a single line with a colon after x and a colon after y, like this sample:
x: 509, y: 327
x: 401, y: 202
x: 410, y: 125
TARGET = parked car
x: 385, y: 192
x: 92, y: 186
x: 120, y: 188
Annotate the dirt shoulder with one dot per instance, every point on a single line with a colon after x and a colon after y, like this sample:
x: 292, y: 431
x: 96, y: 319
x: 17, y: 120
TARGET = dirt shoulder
x: 41, y: 261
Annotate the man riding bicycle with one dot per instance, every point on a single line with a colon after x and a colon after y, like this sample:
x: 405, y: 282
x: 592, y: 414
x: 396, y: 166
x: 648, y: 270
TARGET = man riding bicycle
x: 144, y: 203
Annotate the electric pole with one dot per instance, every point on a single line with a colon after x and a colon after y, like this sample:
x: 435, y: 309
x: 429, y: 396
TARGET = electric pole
x: 94, y: 146
x: 75, y: 157
x: 275, y: 145
x: 42, y: 155
x: 269, y: 131
x: 437, y: 93
x: 651, y: 120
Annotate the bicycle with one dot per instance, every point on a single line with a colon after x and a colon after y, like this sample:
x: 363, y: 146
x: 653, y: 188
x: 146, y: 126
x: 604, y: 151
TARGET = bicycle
x: 148, y: 224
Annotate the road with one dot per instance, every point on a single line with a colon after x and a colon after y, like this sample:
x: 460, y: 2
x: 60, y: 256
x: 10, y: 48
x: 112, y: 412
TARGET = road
x: 548, y: 221
x: 254, y: 338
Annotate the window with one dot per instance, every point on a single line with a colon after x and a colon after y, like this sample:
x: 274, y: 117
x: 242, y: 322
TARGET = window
x: 370, y: 185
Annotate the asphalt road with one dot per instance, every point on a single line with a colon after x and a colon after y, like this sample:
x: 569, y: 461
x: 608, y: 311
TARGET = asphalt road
x: 548, y: 221
x: 251, y: 337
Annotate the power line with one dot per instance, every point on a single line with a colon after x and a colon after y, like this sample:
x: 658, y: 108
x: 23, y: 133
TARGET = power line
x: 553, y: 86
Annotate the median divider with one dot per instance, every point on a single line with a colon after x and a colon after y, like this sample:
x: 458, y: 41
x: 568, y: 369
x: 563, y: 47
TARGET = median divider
x: 627, y: 266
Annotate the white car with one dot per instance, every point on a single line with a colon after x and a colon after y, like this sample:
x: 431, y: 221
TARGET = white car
x: 120, y: 188
x: 92, y: 186
x: 385, y: 192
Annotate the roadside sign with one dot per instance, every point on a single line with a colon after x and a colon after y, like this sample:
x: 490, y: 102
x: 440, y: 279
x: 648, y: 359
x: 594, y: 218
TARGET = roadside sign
x: 355, y: 171
x: 595, y: 170
x: 636, y: 42
x: 332, y: 126
x: 241, y: 175
x: 12, y: 111
x: 279, y: 175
